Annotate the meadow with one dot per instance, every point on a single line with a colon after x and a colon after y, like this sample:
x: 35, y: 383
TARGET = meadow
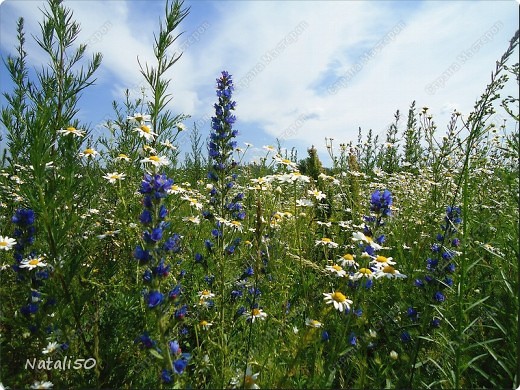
x: 124, y: 265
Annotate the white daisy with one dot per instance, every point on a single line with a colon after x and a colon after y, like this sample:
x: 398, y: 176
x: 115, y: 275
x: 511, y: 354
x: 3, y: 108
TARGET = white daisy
x: 205, y: 294
x: 254, y: 314
x: 33, y: 262
x: 340, y: 301
x: 139, y: 118
x: 6, y: 243
x: 157, y: 161
x: 114, y: 176
x: 363, y: 273
x: 88, y: 153
x: 337, y: 270
x: 389, y: 272
x: 72, y: 130
x: 122, y: 157
x: 42, y: 385
x: 205, y: 324
x: 325, y: 241
x: 145, y: 132
x: 51, y: 347
x: 313, y: 323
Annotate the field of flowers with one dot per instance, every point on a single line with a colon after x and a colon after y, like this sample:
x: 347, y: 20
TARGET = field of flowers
x: 124, y: 267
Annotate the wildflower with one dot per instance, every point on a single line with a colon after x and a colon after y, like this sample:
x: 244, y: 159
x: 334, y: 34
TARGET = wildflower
x: 363, y: 273
x: 325, y: 241
x: 254, y: 314
x: 193, y: 202
x: 380, y: 202
x: 114, y: 176
x: 336, y: 269
x: 51, y: 347
x: 245, y: 380
x: 340, y: 301
x: 154, y: 298
x: 42, y: 385
x: 145, y: 132
x: 179, y: 366
x: 313, y: 323
x: 382, y: 261
x: 139, y: 118
x: 192, y: 219
x: 181, y: 127
x: 388, y: 272
x: 6, y: 243
x: 205, y: 294
x: 304, y: 203
x: 33, y: 262
x: 439, y: 297
x: 347, y: 260
x: 72, y: 130
x: 157, y: 161
x: 205, y: 324
x: 168, y: 145
x: 89, y: 153
x: 318, y: 195
x: 394, y: 355
x: 122, y: 157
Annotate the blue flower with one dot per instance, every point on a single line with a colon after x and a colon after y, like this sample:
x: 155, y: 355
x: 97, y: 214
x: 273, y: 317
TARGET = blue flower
x: 405, y: 337
x: 154, y: 298
x: 161, y: 269
x: 439, y: 297
x: 175, y: 349
x: 179, y: 366
x: 325, y: 336
x: 381, y: 202
x: 174, y: 292
x: 146, y: 217
x: 23, y: 217
x: 181, y: 313
x: 166, y: 376
x: 141, y: 254
x: 173, y: 244
x: 352, y: 339
x: 145, y: 341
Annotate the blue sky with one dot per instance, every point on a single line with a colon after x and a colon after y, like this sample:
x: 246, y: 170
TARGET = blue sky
x: 303, y: 70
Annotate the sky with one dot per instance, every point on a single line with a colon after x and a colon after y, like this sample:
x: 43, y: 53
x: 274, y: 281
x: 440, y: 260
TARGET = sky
x: 303, y: 70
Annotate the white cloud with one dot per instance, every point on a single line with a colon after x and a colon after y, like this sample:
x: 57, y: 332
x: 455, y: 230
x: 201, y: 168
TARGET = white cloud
x: 315, y: 44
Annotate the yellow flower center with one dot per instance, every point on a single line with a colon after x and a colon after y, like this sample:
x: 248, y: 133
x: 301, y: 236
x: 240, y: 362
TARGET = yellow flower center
x: 139, y: 118
x: 389, y: 270
x: 34, y: 262
x: 145, y: 129
x: 205, y: 293
x: 89, y: 151
x: 337, y: 267
x: 154, y: 158
x: 338, y: 297
x: 285, y: 161
x: 3, y: 243
x: 381, y: 259
x: 348, y: 256
x: 325, y: 239
x: 204, y: 323
x: 365, y: 271
x: 248, y: 381
x: 122, y: 156
x: 236, y: 223
x: 255, y: 312
x: 71, y: 129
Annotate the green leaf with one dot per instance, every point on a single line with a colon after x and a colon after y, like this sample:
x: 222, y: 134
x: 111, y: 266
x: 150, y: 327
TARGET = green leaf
x: 156, y: 354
